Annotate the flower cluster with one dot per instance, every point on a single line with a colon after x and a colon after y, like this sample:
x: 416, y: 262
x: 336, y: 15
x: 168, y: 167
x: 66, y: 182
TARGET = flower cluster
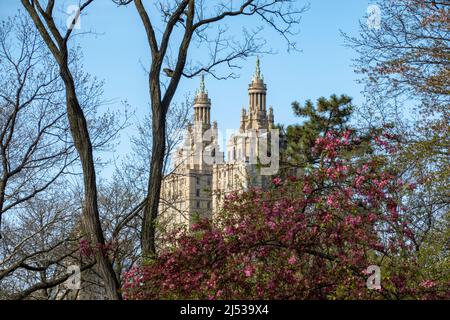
x: 86, y: 249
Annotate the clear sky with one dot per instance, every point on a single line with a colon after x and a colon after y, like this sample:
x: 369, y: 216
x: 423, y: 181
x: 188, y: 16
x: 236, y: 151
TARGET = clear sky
x: 323, y: 67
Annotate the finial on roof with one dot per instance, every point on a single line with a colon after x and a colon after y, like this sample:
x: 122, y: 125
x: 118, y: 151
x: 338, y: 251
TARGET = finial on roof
x: 258, y: 74
x: 202, y: 88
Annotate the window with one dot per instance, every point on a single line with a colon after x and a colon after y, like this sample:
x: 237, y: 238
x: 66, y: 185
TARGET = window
x: 197, y: 192
x: 198, y: 180
x: 198, y: 204
x: 208, y: 180
x: 209, y: 205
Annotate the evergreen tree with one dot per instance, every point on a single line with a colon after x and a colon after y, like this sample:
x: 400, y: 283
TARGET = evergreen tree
x: 327, y: 115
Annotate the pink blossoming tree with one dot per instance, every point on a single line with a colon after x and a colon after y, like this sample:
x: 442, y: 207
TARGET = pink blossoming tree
x: 311, y: 237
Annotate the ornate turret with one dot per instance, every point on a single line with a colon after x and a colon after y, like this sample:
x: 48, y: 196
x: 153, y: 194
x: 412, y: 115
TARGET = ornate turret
x: 202, y: 107
x: 257, y: 100
x: 243, y: 119
x: 270, y: 118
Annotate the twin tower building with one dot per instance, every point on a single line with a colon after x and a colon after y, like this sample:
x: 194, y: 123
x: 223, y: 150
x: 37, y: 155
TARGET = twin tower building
x: 201, y: 175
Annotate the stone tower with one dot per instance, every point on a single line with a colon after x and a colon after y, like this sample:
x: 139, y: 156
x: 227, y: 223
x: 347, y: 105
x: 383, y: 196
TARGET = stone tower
x: 202, y: 107
x: 256, y: 118
x: 254, y: 121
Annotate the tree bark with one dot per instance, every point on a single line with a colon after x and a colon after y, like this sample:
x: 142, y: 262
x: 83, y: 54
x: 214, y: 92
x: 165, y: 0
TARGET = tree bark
x: 155, y: 180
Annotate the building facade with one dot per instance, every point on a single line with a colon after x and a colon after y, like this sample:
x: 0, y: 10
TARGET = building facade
x: 202, y: 176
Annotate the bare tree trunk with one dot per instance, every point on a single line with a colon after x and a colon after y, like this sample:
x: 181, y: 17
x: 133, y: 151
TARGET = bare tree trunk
x: 154, y: 183
x: 160, y: 107
x: 159, y: 118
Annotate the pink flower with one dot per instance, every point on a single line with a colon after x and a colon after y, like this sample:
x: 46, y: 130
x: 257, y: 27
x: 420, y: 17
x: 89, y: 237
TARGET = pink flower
x: 231, y: 197
x: 85, y: 248
x: 428, y: 284
x: 372, y: 217
x: 277, y: 181
x: 412, y: 186
x: 292, y: 260
x: 346, y: 137
x: 359, y: 181
x: 352, y: 220
x: 307, y: 189
x: 330, y: 200
x: 248, y: 270
x: 348, y: 192
x: 408, y: 232
x: 290, y: 210
x: 271, y: 225
x: 229, y: 230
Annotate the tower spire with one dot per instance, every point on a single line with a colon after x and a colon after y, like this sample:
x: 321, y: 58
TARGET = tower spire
x: 258, y: 75
x: 202, y: 88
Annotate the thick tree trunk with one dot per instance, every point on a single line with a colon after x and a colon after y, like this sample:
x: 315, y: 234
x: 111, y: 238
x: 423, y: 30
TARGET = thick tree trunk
x: 159, y: 112
x: 160, y: 107
x: 91, y: 217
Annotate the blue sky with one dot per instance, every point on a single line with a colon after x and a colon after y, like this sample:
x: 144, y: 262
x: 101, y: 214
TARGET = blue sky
x: 323, y: 67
